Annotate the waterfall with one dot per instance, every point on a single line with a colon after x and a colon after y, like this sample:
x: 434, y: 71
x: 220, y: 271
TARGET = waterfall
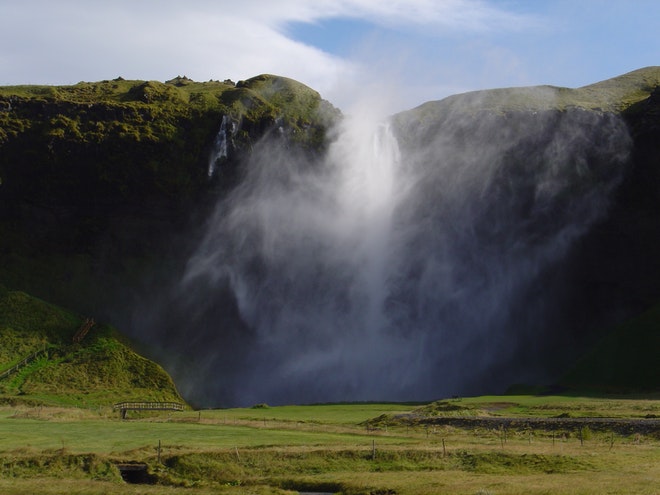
x: 307, y: 254
x: 220, y: 145
x: 392, y: 272
x: 367, y: 197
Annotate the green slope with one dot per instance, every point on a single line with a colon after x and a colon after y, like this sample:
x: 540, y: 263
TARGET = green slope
x: 615, y: 95
x: 100, y: 370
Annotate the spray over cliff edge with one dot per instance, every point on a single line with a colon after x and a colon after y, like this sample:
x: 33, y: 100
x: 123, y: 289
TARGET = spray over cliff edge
x: 452, y: 249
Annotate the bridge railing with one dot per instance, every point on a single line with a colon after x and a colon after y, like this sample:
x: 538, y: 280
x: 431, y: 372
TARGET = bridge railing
x: 84, y: 329
x: 24, y: 362
x: 148, y: 406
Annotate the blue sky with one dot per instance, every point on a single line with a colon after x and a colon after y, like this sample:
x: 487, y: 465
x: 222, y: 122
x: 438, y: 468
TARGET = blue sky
x: 402, y: 52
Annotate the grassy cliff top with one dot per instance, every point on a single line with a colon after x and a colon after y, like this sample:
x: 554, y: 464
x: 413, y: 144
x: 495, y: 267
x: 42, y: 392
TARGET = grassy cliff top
x: 180, y: 89
x: 615, y: 95
x: 280, y: 96
x: 132, y: 139
x: 99, y: 370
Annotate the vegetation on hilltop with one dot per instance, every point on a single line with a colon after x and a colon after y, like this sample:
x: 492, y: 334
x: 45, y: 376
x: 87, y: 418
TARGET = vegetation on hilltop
x: 617, y: 94
x: 125, y: 139
x: 621, y: 94
x: 99, y: 370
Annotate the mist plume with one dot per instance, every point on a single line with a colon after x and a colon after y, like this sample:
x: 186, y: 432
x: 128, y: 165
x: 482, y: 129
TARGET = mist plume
x: 414, y: 260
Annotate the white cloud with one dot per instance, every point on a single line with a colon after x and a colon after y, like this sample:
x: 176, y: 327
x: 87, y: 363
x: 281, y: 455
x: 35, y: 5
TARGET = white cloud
x: 449, y: 15
x: 63, y: 42
x: 444, y: 15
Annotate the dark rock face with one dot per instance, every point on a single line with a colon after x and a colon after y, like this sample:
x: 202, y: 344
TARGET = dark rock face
x: 610, y: 271
x: 505, y: 197
x: 615, y: 268
x: 110, y: 179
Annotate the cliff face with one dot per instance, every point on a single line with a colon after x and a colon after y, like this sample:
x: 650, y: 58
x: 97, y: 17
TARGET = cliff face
x: 119, y: 141
x: 618, y: 260
x: 543, y: 196
x: 546, y: 152
x: 98, y: 181
x: 614, y: 127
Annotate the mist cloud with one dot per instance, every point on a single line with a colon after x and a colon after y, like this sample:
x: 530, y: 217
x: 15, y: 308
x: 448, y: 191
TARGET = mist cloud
x: 418, y: 259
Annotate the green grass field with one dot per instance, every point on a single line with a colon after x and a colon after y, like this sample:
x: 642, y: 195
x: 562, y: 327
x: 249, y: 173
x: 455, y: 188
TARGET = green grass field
x: 328, y: 448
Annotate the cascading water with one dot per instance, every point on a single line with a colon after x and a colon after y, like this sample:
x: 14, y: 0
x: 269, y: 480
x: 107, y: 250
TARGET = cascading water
x: 220, y: 149
x: 402, y: 272
x: 306, y: 252
x: 367, y: 200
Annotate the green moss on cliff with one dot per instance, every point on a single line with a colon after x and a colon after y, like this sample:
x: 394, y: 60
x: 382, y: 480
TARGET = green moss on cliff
x: 129, y: 139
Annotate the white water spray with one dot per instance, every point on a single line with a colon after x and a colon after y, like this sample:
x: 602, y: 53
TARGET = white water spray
x: 309, y: 254
x: 370, y: 159
x: 398, y: 273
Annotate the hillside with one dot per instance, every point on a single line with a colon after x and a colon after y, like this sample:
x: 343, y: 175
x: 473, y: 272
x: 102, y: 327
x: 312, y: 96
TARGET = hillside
x: 100, y: 370
x: 528, y: 230
x: 105, y: 185
x: 617, y: 94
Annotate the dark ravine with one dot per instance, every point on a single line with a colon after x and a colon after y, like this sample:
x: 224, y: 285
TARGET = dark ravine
x: 629, y: 426
x: 108, y: 196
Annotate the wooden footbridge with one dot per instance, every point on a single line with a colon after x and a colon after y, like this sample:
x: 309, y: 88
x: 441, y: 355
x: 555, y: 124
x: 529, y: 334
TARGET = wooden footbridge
x: 123, y: 407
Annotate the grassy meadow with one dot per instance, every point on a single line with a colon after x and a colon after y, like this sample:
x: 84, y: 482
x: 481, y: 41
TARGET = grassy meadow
x: 331, y: 449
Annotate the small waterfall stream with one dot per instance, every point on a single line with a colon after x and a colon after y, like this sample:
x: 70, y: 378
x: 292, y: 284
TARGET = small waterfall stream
x: 221, y: 144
